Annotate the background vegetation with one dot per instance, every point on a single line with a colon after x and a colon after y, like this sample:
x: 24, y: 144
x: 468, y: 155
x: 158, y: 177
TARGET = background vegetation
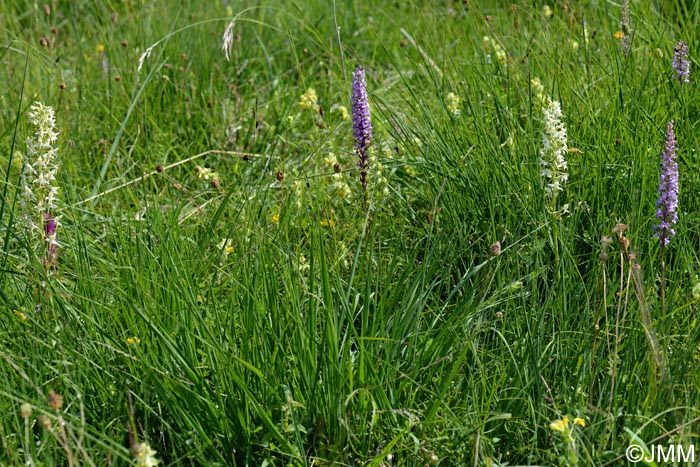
x: 271, y: 317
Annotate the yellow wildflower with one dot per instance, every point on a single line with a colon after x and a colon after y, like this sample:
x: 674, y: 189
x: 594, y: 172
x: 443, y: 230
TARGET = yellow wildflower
x: 619, y: 35
x: 560, y: 425
x: 538, y: 92
x: 226, y: 245
x: 145, y: 455
x: 492, y: 45
x: 696, y: 289
x: 206, y: 173
x: 275, y: 218
x: 309, y: 100
x: 547, y: 10
x: 19, y: 314
x: 452, y: 102
x: 579, y: 421
x: 133, y: 340
x: 342, y: 110
x: 100, y: 48
x: 327, y: 223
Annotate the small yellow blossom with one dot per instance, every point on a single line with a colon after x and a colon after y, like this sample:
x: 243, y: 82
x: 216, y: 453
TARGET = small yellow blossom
x: 619, y: 35
x: 327, y: 223
x: 342, y: 110
x: 538, y: 92
x: 560, y: 425
x: 275, y: 218
x: 145, y: 455
x: 207, y: 174
x: 19, y: 314
x: 133, y: 340
x: 100, y: 48
x: 341, y: 188
x: 696, y: 289
x: 330, y: 160
x: 491, y: 45
x: 226, y: 245
x: 309, y: 100
x: 547, y: 10
x: 452, y: 102
x: 563, y: 425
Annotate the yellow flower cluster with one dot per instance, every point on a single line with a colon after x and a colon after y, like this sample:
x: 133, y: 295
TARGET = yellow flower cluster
x: 133, y: 340
x: 492, y: 45
x: 564, y: 425
x: 452, y: 102
x: 540, y: 100
x: 338, y: 185
x: 309, y: 100
x: 145, y: 455
x: 206, y: 173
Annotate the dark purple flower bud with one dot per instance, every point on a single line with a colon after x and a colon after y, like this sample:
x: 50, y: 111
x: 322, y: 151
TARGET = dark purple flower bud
x: 50, y: 235
x: 361, y: 122
x: 667, y: 203
x: 681, y: 64
x: 49, y: 225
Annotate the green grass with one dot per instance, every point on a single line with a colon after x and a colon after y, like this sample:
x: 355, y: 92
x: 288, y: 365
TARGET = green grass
x: 339, y: 331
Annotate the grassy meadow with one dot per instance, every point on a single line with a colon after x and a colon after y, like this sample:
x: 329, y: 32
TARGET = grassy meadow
x: 211, y: 285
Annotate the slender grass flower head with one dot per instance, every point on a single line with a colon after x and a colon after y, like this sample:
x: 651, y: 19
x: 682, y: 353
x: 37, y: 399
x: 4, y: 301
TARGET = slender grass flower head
x: 228, y: 39
x: 667, y: 203
x: 361, y: 122
x: 681, y: 64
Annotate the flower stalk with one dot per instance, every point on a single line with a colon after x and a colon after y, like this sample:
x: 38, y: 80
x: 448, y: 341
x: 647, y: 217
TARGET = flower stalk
x: 39, y: 190
x: 667, y: 203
